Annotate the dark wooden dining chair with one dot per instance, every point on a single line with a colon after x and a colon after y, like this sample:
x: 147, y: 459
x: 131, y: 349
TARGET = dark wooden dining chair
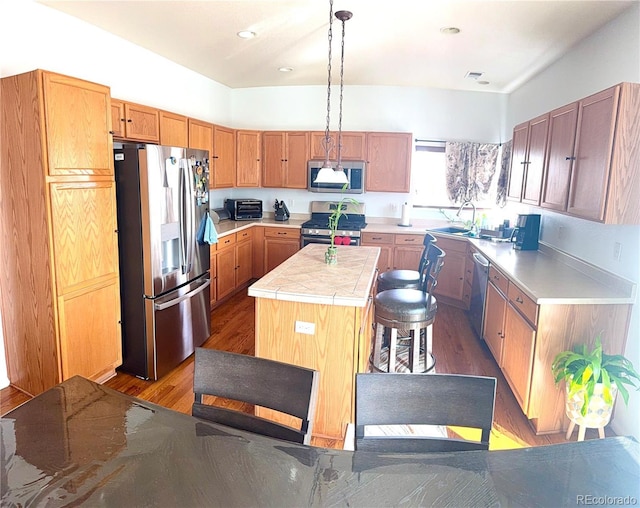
x: 286, y: 388
x: 423, y: 399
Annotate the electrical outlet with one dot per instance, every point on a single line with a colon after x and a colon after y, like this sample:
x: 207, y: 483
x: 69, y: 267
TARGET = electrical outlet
x: 306, y: 328
x: 291, y: 203
x: 617, y: 251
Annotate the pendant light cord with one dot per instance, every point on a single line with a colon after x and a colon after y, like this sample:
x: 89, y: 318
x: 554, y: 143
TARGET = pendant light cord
x: 327, y: 142
x: 339, y: 165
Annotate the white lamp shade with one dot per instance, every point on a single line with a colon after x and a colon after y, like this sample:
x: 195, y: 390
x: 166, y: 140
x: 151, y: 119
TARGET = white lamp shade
x: 329, y: 175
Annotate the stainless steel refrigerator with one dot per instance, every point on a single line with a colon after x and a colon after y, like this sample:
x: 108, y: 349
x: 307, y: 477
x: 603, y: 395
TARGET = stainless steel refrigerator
x: 163, y: 198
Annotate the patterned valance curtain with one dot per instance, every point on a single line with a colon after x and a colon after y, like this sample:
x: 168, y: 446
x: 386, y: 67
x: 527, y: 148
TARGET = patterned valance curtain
x: 501, y: 194
x: 470, y: 168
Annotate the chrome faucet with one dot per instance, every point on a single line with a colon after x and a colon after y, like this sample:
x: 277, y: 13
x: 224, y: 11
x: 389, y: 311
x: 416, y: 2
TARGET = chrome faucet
x: 473, y: 216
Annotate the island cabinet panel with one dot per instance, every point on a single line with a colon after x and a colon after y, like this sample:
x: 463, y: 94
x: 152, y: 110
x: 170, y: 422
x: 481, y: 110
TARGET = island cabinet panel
x: 319, y: 316
x: 60, y: 282
x: 330, y: 350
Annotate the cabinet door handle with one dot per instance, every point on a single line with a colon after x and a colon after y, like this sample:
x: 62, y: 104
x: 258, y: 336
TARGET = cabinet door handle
x: 111, y: 132
x: 129, y: 120
x: 569, y: 158
x: 519, y: 300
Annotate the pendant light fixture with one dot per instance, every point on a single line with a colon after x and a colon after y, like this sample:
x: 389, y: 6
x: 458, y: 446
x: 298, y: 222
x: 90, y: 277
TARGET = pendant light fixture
x: 329, y: 174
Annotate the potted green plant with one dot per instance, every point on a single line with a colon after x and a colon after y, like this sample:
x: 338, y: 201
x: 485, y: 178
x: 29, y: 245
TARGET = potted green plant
x: 331, y: 255
x: 592, y: 379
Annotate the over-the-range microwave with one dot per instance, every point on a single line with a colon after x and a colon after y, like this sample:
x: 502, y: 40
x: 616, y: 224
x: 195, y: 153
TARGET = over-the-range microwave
x: 355, y: 177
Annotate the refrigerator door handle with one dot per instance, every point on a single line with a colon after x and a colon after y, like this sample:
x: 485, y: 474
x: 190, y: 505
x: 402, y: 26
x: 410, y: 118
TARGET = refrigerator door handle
x: 186, y: 296
x: 187, y: 227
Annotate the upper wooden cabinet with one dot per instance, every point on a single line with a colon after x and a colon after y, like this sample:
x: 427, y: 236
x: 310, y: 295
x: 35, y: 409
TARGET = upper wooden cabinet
x: 222, y: 163
x: 174, y: 129
x: 136, y: 122
x: 559, y: 159
x: 528, y: 160
x: 518, y: 161
x: 284, y: 159
x: 248, y: 153
x: 605, y: 178
x: 77, y: 126
x: 534, y: 168
x: 388, y: 162
x: 65, y: 320
x: 354, y: 145
x: 592, y: 162
x: 201, y: 138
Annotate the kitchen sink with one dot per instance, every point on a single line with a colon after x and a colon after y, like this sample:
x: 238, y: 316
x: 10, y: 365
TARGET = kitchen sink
x: 452, y: 230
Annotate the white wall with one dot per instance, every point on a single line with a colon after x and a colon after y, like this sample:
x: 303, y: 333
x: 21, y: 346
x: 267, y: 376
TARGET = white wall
x: 608, y: 57
x: 33, y: 36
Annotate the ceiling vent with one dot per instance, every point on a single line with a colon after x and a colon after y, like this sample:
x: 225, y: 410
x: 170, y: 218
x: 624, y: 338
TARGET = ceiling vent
x: 473, y: 75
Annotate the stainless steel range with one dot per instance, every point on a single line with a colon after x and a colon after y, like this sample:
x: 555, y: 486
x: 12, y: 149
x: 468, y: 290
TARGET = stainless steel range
x: 316, y: 229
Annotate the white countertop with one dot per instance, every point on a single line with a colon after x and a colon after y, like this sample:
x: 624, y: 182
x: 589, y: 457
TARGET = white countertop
x: 547, y: 276
x: 306, y: 278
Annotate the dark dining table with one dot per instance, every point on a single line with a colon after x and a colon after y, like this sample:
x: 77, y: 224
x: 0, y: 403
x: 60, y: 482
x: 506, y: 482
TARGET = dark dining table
x: 83, y: 444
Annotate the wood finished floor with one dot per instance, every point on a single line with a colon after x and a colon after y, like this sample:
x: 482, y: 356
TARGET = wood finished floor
x: 456, y: 349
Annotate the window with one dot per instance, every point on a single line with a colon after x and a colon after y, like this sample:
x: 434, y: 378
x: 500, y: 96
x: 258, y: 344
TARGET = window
x: 428, y: 177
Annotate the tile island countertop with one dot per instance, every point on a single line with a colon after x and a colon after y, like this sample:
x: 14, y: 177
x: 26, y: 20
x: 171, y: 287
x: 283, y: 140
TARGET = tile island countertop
x: 306, y: 278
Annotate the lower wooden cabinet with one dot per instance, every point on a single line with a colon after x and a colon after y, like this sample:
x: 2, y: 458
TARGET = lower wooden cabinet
x: 386, y: 243
x: 279, y: 245
x: 493, y: 332
x: 451, y: 280
x: 234, y: 262
x: 91, y: 339
x: 517, y: 355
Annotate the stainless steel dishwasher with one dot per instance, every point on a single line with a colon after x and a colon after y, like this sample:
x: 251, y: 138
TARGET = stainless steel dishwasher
x: 478, y: 292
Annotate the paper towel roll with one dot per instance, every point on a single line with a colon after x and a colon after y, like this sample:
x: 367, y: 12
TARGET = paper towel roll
x: 406, y: 215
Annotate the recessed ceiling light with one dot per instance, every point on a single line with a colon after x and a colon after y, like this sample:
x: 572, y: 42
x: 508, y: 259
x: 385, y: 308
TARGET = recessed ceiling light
x: 246, y: 34
x: 450, y: 30
x: 285, y: 69
x: 482, y: 82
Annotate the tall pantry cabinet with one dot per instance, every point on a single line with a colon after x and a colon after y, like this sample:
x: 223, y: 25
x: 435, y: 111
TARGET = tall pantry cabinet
x: 59, y: 284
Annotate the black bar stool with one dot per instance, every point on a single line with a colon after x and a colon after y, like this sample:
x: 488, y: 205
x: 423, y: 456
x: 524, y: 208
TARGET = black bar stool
x: 413, y: 310
x: 406, y: 279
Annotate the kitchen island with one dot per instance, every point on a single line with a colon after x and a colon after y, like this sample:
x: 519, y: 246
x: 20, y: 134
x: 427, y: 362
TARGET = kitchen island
x: 319, y: 316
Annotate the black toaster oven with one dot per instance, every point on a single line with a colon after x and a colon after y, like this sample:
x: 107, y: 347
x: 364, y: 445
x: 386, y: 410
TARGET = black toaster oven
x: 244, y: 209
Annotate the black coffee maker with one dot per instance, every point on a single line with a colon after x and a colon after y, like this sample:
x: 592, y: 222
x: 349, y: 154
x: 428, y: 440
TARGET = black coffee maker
x: 526, y: 233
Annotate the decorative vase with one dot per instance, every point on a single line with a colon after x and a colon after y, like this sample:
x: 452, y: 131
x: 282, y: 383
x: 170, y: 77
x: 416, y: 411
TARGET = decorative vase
x: 598, y: 411
x: 331, y: 255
